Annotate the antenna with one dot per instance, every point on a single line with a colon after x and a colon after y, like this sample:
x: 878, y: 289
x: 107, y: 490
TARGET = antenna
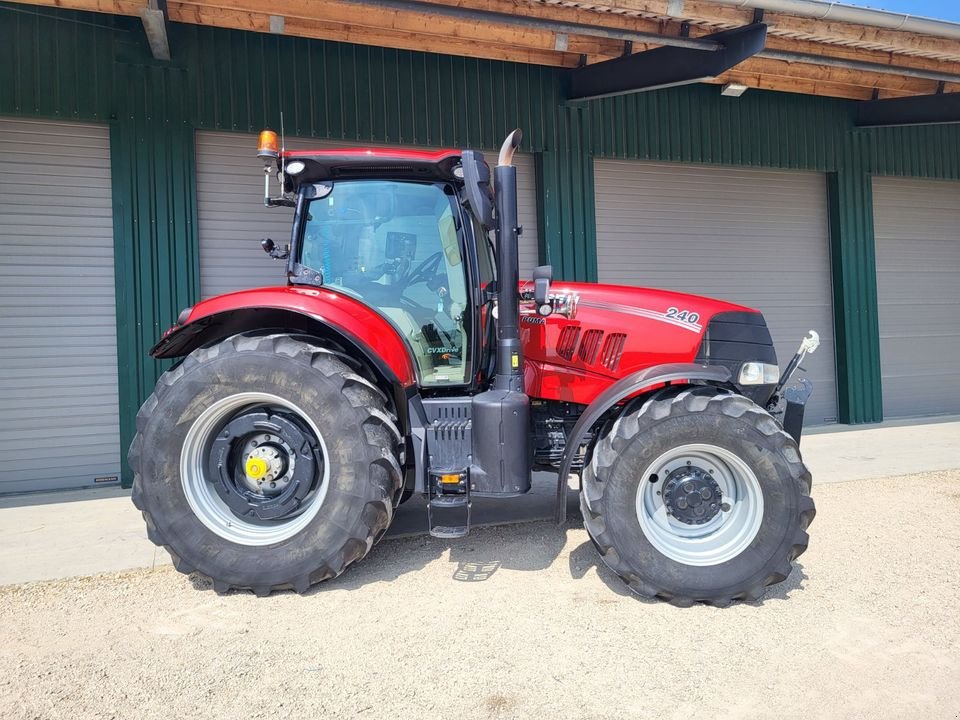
x: 283, y: 147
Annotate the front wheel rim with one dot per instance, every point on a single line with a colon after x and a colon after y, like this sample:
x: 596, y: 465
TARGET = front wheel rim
x: 730, y: 527
x: 200, y: 489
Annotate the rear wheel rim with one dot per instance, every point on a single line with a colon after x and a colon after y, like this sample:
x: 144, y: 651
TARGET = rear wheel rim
x: 200, y: 486
x: 723, y: 532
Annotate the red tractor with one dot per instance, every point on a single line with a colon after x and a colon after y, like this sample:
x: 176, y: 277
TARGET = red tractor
x: 405, y: 356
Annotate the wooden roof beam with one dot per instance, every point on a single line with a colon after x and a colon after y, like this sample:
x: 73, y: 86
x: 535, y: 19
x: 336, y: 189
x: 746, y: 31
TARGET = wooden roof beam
x: 415, y: 25
x: 782, y: 24
x: 113, y: 7
x: 364, y: 35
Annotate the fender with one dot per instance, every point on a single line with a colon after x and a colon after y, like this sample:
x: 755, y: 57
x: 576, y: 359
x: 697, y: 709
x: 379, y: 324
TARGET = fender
x: 621, y: 390
x: 316, y: 311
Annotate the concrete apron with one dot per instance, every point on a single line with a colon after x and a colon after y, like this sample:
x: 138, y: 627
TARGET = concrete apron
x: 47, y: 536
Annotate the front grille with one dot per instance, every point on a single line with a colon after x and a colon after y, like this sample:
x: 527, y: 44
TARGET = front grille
x: 736, y: 337
x: 733, y: 338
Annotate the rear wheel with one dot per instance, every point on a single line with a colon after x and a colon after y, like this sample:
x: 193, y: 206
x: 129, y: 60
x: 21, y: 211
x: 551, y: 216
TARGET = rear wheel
x: 265, y: 463
x: 698, y: 497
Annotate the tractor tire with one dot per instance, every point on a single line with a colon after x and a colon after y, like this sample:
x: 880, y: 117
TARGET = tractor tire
x: 698, y: 497
x: 265, y: 463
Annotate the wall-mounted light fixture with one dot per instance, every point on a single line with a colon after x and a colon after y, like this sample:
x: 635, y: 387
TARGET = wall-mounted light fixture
x: 733, y: 90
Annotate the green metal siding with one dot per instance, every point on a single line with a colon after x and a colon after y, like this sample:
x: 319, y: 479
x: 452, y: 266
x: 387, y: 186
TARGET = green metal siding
x: 696, y: 124
x: 58, y: 65
x: 96, y: 67
x: 856, y: 326
x: 152, y: 150
x: 353, y: 92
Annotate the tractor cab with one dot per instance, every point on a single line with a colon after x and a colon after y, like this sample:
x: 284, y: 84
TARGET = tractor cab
x: 397, y: 231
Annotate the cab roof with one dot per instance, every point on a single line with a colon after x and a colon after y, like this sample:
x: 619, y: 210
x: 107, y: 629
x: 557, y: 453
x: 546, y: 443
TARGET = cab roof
x: 373, y: 163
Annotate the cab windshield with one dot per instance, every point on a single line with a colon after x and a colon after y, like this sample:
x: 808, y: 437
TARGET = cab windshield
x: 394, y: 245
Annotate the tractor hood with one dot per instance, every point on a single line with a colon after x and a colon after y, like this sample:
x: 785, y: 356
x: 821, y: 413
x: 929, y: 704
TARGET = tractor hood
x: 617, y: 330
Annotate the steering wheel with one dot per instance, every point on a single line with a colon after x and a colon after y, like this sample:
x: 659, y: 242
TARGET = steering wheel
x: 425, y: 270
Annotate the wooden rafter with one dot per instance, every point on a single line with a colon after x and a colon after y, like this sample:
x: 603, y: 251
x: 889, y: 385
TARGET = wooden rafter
x: 782, y: 24
x: 413, y: 24
x: 496, y: 39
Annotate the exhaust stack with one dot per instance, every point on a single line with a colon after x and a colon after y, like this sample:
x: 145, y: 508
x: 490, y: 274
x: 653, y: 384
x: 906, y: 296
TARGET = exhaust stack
x: 509, y: 352
x: 501, y: 416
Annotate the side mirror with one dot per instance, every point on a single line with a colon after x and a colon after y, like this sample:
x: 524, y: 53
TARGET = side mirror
x: 542, y: 277
x: 476, y: 185
x: 271, y: 249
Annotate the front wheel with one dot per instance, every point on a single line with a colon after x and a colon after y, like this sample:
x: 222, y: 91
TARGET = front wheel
x: 699, y: 497
x: 265, y: 462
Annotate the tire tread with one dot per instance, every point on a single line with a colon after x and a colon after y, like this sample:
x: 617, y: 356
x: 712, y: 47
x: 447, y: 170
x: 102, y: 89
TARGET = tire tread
x: 381, y: 436
x: 653, y: 411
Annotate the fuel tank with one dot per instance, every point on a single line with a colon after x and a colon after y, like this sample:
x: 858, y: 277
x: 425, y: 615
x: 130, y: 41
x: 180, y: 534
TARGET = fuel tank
x: 615, y: 330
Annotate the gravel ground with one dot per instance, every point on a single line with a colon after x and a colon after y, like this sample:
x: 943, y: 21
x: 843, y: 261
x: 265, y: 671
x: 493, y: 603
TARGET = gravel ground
x: 517, y: 622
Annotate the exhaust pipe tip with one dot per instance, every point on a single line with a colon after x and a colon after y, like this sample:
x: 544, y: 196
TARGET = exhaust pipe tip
x: 509, y: 146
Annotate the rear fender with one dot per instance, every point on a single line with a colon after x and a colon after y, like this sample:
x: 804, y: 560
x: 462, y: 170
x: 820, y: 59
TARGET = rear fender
x: 623, y: 389
x: 359, y: 330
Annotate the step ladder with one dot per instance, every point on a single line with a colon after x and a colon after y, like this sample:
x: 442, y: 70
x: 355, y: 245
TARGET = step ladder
x: 450, y: 500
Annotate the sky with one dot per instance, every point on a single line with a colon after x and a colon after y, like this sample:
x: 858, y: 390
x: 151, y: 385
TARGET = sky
x: 938, y: 9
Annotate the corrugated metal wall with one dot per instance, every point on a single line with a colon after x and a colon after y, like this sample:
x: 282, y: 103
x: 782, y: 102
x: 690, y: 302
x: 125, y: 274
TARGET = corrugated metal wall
x: 89, y: 66
x: 354, y: 92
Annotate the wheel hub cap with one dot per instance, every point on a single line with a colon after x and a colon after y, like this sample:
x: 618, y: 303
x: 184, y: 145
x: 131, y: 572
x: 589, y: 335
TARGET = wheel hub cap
x: 263, y: 464
x: 691, y: 495
x: 256, y: 468
x: 253, y: 468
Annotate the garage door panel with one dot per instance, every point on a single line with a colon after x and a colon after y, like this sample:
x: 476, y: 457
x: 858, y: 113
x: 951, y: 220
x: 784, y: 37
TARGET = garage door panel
x: 753, y: 237
x: 907, y: 398
x: 59, y: 379
x: 917, y: 230
x: 233, y: 220
x: 938, y: 316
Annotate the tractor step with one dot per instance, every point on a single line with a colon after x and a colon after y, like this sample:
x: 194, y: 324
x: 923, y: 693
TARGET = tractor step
x: 449, y: 501
x: 449, y: 532
x: 447, y: 506
x: 449, y: 497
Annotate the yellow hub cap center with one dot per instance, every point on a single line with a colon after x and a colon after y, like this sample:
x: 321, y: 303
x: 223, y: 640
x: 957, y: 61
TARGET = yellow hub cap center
x: 256, y: 468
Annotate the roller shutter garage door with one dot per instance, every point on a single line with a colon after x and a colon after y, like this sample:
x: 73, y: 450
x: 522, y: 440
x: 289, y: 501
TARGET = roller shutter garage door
x: 917, y: 230
x: 59, y: 427
x: 754, y: 237
x: 233, y: 220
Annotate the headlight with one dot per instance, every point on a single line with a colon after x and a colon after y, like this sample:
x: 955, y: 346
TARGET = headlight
x: 758, y: 373
x: 294, y: 167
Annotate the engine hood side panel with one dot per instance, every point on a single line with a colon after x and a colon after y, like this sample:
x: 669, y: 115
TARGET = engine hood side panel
x: 617, y: 330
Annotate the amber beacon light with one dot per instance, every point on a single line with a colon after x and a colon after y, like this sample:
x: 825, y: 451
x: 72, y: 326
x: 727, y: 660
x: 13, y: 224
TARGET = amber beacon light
x: 268, y: 147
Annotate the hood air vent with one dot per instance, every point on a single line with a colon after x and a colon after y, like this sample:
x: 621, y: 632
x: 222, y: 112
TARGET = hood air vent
x: 590, y: 345
x: 567, y: 342
x: 612, y: 351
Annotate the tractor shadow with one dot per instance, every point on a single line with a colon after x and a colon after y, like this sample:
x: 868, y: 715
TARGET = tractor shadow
x: 585, y: 558
x: 508, y: 534
x: 525, y: 546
